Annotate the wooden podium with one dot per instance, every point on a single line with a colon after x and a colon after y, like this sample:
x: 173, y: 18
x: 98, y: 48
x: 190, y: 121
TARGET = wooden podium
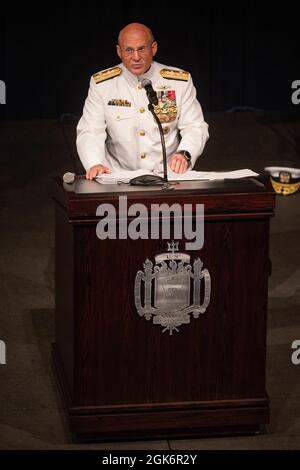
x: 120, y: 376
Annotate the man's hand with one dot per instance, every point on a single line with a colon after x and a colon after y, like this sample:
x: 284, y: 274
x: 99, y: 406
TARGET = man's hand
x: 96, y: 170
x: 178, y: 163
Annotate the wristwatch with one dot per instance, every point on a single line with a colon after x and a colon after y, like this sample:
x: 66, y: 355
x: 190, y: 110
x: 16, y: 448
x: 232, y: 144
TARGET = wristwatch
x: 186, y: 155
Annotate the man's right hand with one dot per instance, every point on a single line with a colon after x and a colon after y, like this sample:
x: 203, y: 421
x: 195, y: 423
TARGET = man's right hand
x: 96, y: 170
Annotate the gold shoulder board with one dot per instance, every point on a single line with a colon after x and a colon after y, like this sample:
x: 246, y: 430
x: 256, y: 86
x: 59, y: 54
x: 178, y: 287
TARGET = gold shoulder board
x: 175, y: 74
x: 107, y: 74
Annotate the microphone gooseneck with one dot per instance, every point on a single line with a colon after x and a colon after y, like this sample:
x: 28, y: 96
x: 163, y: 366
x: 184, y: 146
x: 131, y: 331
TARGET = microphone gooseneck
x: 153, y: 101
x: 163, y: 144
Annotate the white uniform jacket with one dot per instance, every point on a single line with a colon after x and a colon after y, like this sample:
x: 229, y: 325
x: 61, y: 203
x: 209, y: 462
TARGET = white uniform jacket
x: 117, y: 129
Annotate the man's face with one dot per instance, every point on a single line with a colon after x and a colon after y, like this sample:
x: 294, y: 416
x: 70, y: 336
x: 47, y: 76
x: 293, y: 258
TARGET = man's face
x: 136, y: 51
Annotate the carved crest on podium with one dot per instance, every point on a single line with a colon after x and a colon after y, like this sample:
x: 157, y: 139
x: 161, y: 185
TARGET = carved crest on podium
x: 172, y: 289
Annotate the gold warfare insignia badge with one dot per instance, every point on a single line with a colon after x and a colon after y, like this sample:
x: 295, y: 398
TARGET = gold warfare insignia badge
x: 166, y: 109
x: 107, y: 74
x: 164, y: 87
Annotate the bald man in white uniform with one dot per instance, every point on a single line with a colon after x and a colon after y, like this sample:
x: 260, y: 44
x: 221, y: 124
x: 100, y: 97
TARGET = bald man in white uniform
x: 117, y: 131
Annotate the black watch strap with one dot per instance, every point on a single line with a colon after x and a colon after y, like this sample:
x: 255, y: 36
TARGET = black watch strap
x: 186, y: 155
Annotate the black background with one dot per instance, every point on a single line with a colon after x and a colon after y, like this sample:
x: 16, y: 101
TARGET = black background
x: 239, y: 54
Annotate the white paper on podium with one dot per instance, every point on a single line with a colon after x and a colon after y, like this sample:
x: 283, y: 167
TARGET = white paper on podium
x: 117, y: 177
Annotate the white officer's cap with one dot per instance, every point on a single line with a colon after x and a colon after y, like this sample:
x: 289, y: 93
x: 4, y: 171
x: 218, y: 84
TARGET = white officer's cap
x: 285, y: 180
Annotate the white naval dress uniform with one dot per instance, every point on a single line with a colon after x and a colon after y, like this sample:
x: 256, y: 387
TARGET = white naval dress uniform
x: 117, y: 129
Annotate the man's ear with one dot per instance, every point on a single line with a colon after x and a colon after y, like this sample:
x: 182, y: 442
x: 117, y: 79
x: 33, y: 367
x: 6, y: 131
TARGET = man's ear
x: 154, y: 48
x: 119, y: 52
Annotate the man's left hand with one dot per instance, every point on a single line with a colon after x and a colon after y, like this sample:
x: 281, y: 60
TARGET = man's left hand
x: 178, y: 163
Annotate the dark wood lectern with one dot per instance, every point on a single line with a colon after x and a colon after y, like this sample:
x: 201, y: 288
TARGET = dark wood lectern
x: 120, y: 376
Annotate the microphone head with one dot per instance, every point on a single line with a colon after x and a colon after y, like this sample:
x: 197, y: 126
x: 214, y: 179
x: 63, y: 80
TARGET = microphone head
x: 69, y: 177
x: 152, y: 96
x: 146, y: 82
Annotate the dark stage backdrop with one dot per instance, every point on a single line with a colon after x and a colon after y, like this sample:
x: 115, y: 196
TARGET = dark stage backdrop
x: 246, y: 55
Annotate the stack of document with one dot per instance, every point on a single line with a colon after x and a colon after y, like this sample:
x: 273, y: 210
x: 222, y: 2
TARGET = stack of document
x: 117, y: 177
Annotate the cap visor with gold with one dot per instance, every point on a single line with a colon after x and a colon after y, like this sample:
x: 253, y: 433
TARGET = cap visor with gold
x: 285, y: 180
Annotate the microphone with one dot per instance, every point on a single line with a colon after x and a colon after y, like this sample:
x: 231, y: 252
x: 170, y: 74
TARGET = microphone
x: 153, y: 101
x: 69, y: 177
x: 153, y: 179
x: 151, y: 94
